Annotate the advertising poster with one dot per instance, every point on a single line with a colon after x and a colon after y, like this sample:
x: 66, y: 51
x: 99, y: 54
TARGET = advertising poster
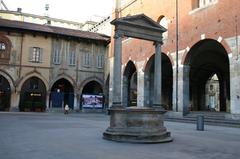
x: 92, y: 101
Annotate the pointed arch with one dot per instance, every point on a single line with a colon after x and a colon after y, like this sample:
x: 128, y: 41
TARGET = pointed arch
x: 6, y: 46
x: 9, y: 79
x: 167, y: 81
x: 194, y: 42
x: 29, y: 75
x: 129, y: 85
x: 33, y: 95
x: 62, y: 93
x: 90, y: 79
x: 148, y: 62
x: 63, y: 76
x: 5, y: 94
x: 206, y: 58
x: 92, y: 94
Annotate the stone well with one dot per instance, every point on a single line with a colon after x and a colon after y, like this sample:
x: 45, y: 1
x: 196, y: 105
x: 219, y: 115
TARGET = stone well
x: 137, y: 124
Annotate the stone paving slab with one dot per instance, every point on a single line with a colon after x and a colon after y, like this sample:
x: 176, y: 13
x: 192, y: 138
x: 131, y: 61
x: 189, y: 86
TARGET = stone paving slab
x: 79, y: 135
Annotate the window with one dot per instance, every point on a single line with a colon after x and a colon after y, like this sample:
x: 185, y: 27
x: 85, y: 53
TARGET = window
x: 100, y: 61
x: 2, y: 46
x: 2, y: 49
x: 72, y: 58
x: 123, y: 2
x: 211, y: 87
x: 202, y: 3
x: 86, y: 59
x: 164, y: 22
x: 56, y: 55
x: 5, y: 49
x: 35, y: 54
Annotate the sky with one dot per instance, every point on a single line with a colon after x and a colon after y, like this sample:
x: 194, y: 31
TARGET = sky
x: 74, y: 10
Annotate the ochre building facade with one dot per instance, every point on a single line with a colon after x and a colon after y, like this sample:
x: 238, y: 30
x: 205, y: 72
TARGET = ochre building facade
x: 44, y: 67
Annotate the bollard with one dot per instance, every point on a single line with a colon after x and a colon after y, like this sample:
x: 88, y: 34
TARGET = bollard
x: 200, y: 122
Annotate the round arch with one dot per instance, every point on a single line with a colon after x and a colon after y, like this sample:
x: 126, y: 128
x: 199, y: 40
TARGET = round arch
x: 33, y: 95
x: 167, y: 81
x: 206, y: 58
x: 163, y: 21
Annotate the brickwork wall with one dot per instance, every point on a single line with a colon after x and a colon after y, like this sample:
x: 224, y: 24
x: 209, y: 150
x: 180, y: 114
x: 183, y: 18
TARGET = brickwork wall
x: 215, y: 20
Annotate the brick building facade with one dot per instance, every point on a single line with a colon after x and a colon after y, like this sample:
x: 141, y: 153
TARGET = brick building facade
x: 208, y: 47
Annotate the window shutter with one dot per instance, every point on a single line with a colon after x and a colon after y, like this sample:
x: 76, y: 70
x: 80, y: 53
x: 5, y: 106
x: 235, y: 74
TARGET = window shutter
x: 82, y: 59
x: 90, y: 59
x: 41, y: 55
x: 30, y: 55
x: 54, y: 56
x: 96, y: 59
x: 102, y: 61
x: 73, y: 58
x: 58, y: 55
x: 69, y: 58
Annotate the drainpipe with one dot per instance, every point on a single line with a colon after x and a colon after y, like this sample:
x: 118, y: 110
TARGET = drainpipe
x: 236, y: 30
x: 21, y: 52
x: 177, y: 55
x: 117, y: 8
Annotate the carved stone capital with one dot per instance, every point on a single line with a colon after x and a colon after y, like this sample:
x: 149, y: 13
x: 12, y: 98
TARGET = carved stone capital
x: 157, y: 43
x: 117, y: 35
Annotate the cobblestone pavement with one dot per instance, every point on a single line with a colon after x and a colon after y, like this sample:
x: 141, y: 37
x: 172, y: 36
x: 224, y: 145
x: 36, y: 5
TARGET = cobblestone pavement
x: 79, y: 135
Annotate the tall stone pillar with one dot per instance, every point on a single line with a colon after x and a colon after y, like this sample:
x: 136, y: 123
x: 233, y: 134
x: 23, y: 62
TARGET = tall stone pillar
x: 185, y: 100
x: 140, y: 88
x: 110, y: 91
x: 117, y: 70
x: 183, y: 91
x: 234, y: 61
x: 125, y: 91
x: 75, y: 102
x: 47, y: 101
x: 174, y: 108
x: 234, y: 85
x: 157, y: 76
x: 15, y: 98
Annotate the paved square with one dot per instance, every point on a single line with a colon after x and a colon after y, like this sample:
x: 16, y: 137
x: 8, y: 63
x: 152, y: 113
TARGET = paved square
x: 78, y: 135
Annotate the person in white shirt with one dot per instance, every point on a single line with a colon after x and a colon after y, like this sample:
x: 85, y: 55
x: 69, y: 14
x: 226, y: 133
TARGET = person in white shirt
x: 66, y: 109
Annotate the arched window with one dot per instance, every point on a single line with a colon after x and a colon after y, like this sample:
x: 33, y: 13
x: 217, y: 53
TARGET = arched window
x: 2, y: 46
x: 162, y: 20
x: 5, y: 46
x: 202, y: 3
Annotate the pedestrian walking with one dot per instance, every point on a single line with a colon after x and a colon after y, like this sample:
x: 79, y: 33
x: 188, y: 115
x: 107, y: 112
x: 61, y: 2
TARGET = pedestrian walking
x: 66, y: 109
